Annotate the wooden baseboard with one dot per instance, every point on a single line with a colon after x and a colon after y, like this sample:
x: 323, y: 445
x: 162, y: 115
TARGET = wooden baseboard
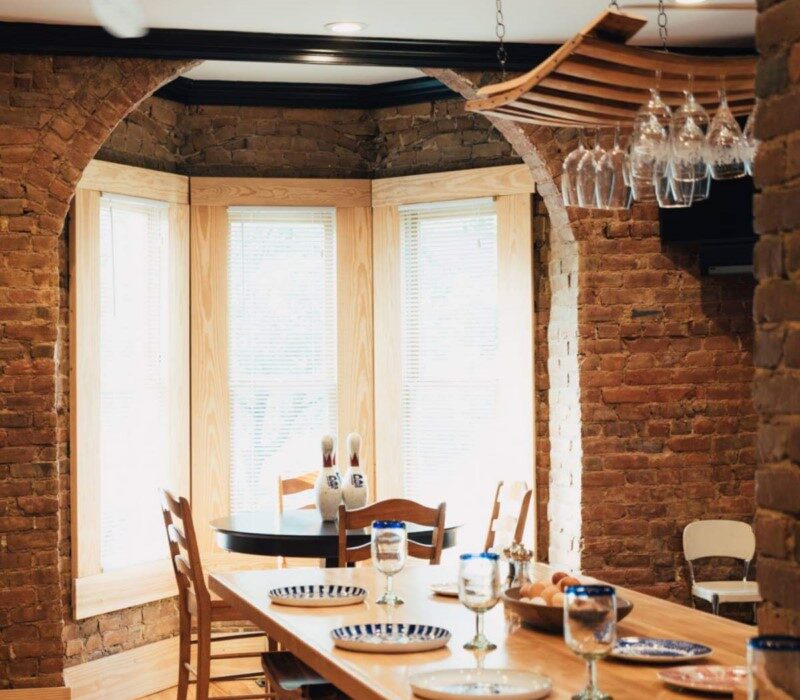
x: 142, y: 671
x: 36, y: 694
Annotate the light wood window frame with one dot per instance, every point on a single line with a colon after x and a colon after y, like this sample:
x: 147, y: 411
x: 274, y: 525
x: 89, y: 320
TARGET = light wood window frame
x: 95, y: 591
x: 211, y: 198
x: 512, y: 188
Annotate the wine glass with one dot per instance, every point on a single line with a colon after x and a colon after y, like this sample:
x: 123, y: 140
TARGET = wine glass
x: 613, y: 189
x: 590, y: 629
x: 648, y: 142
x: 690, y: 169
x: 569, y: 173
x: 389, y: 545
x: 670, y: 192
x: 479, y: 590
x: 587, y: 175
x: 750, y: 143
x: 726, y: 146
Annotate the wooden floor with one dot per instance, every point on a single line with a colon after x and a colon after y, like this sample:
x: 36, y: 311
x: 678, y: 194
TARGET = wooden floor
x: 217, y: 689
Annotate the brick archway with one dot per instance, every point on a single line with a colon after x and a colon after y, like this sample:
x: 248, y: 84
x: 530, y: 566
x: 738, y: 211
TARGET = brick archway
x: 559, y: 454
x: 56, y: 114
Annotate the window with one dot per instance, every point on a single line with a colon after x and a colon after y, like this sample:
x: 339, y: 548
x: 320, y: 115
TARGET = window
x: 449, y: 330
x: 134, y: 378
x: 282, y: 346
x: 129, y: 384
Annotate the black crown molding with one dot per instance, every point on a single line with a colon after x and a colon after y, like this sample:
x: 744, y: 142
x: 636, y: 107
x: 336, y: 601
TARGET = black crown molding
x: 74, y: 40
x: 316, y: 95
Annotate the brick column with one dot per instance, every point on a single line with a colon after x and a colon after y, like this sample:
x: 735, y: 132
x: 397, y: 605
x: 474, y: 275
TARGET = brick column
x: 777, y: 316
x: 54, y: 115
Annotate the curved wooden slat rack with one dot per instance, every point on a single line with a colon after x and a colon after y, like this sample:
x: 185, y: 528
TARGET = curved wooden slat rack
x: 595, y: 79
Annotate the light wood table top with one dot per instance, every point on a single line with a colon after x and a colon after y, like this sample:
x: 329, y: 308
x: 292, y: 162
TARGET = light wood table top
x: 305, y: 632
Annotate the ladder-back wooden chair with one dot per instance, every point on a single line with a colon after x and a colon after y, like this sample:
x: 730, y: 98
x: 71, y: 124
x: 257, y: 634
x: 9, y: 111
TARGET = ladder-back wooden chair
x: 512, y: 501
x: 195, y: 603
x: 392, y: 509
x: 293, y: 486
x: 296, y: 493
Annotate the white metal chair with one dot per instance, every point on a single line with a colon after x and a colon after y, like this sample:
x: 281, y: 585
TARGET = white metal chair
x: 721, y: 538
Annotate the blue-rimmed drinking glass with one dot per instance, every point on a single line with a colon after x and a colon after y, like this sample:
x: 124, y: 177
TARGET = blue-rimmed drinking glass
x: 773, y: 657
x: 389, y: 547
x: 590, y: 630
x: 479, y: 590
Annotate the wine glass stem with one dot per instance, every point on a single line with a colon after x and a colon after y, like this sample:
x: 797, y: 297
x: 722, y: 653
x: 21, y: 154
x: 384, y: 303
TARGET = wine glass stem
x: 479, y: 625
x: 592, y: 686
x: 388, y: 586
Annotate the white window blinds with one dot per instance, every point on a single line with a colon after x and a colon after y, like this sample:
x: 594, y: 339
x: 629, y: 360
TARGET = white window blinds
x: 449, y: 332
x: 134, y: 378
x: 282, y: 345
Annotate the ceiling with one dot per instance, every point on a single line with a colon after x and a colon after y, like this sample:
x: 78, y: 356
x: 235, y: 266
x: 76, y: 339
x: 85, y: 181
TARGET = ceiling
x: 529, y: 21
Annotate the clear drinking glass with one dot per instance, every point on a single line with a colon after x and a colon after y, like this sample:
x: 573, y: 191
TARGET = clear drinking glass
x: 613, y: 189
x: 726, y: 147
x: 479, y: 590
x: 389, y: 548
x: 688, y: 149
x: 569, y: 173
x: 774, y: 657
x: 587, y: 175
x: 590, y: 629
x: 750, y: 143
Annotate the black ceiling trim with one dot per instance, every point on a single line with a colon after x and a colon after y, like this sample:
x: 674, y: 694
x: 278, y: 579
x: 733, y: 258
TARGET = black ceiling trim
x: 318, y: 95
x: 22, y: 37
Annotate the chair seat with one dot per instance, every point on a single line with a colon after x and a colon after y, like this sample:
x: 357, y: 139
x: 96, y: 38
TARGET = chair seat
x: 727, y: 591
x: 291, y: 675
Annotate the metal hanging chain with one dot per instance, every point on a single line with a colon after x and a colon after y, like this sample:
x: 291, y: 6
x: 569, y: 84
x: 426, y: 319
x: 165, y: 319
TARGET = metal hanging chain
x: 614, y: 5
x: 500, y: 33
x: 662, y: 25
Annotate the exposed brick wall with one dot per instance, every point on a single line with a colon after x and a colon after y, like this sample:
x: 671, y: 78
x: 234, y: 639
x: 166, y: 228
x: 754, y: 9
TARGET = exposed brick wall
x: 54, y: 114
x: 651, y: 423
x: 283, y: 142
x: 777, y: 316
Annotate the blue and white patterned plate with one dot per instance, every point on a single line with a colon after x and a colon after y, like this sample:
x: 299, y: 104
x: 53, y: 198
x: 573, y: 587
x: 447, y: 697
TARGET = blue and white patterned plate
x: 662, y: 651
x: 480, y: 684
x: 320, y: 596
x: 390, y: 637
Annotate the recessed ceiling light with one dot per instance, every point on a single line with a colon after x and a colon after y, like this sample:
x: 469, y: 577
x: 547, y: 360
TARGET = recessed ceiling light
x: 345, y: 27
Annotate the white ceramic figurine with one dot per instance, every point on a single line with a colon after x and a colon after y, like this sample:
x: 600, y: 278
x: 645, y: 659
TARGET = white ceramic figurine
x: 328, y: 488
x: 354, y: 489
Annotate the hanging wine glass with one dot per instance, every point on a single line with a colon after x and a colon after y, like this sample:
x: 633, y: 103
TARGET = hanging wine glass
x: 671, y: 193
x: 688, y: 149
x: 750, y: 143
x: 648, y: 142
x: 569, y: 173
x: 613, y: 190
x: 725, y: 143
x: 587, y: 175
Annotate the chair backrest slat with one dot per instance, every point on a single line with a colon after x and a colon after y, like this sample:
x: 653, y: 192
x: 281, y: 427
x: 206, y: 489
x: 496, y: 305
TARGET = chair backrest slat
x: 185, y: 553
x: 509, y: 512
x: 296, y: 484
x: 718, y: 538
x: 392, y: 509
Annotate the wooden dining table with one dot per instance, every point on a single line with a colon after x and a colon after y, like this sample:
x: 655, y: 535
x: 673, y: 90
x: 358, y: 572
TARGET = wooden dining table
x: 370, y: 676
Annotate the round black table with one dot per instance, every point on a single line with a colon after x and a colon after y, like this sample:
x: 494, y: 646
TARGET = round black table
x: 300, y: 533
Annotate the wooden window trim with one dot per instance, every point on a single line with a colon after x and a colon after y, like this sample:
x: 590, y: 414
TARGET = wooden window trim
x: 94, y: 591
x: 512, y: 187
x: 209, y: 349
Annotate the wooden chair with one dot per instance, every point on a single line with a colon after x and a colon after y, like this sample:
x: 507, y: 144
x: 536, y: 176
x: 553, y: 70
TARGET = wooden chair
x: 195, y: 602
x: 509, y: 513
x: 289, y: 486
x: 293, y: 485
x: 392, y: 509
